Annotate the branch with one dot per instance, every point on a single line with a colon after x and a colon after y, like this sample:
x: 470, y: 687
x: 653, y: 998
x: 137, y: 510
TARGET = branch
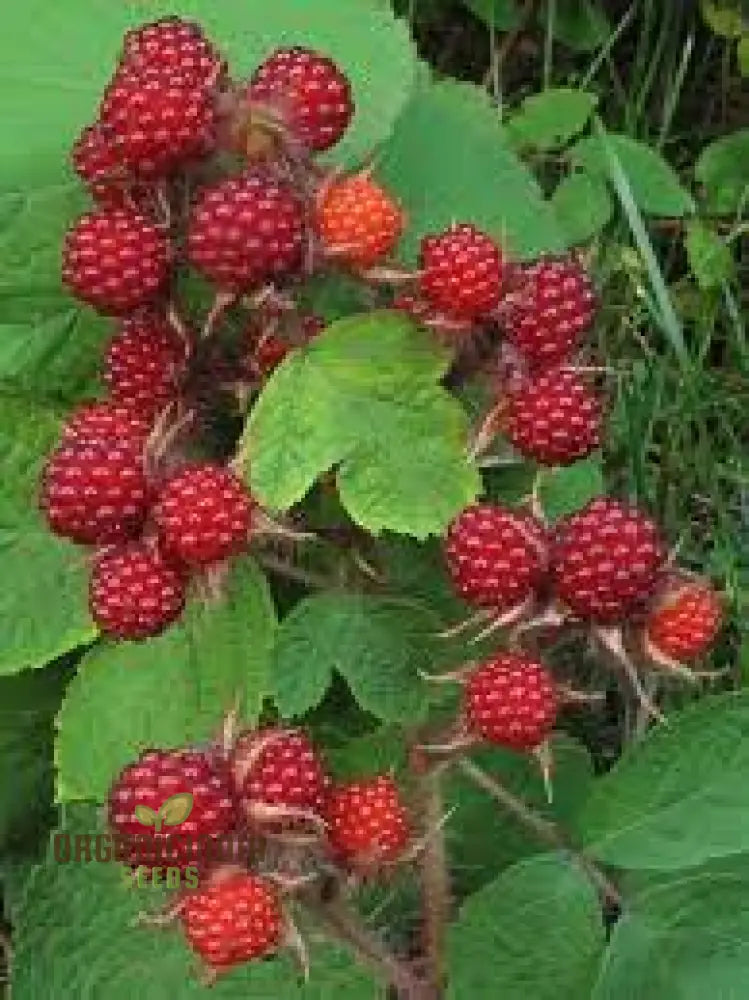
x: 433, y: 866
x: 347, y: 925
x: 544, y: 829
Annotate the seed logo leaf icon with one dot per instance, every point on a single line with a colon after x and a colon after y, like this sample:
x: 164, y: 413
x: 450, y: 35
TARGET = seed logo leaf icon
x: 145, y: 815
x: 175, y: 809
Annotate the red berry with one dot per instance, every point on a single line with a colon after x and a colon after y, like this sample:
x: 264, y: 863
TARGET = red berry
x: 368, y: 824
x: 245, y: 231
x: 143, y: 363
x: 495, y: 556
x: 554, y: 419
x: 461, y: 272
x: 150, y: 781
x: 95, y: 492
x: 309, y: 91
x: 358, y: 220
x: 510, y: 700
x: 135, y: 592
x: 173, y: 45
x: 105, y: 421
x: 553, y: 308
x: 203, y: 514
x: 158, y: 122
x: 605, y: 560
x: 279, y: 768
x: 115, y: 259
x: 99, y: 165
x: 235, y: 919
x: 686, y: 621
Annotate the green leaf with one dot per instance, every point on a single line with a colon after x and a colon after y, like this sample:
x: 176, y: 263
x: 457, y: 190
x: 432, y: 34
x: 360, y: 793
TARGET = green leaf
x: 583, y: 206
x: 655, y: 185
x: 721, y: 169
x: 367, y: 756
x: 500, y: 14
x: 376, y: 644
x: 550, y: 119
x: 680, y: 798
x: 726, y: 18
x: 709, y: 257
x: 565, y: 490
x: 28, y: 703
x: 449, y: 158
x: 76, y: 936
x: 483, y: 838
x: 44, y: 613
x: 28, y: 432
x: 365, y: 396
x: 580, y: 24
x: 167, y: 691
x: 685, y: 939
x: 534, y: 932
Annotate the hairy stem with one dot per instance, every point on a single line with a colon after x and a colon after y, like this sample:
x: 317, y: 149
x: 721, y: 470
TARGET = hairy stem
x: 544, y: 829
x: 435, y: 884
x: 348, y: 926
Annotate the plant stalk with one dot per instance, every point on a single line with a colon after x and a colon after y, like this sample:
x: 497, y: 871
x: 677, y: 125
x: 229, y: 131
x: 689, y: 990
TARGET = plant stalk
x: 544, y: 829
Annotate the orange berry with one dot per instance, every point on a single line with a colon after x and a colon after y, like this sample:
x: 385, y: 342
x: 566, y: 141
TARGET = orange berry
x: 358, y: 220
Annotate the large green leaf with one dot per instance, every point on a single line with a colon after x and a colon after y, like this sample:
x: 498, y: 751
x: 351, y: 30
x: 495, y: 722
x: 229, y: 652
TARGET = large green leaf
x: 43, y: 607
x: 710, y: 257
x: 566, y: 489
x: 167, y: 691
x: 534, y: 932
x: 655, y: 185
x: 482, y: 837
x: 365, y: 396
x: 28, y: 703
x: 686, y: 938
x: 54, y: 63
x: 376, y: 644
x: 721, y: 169
x: 76, y: 937
x: 681, y: 797
x: 551, y: 118
x: 450, y: 159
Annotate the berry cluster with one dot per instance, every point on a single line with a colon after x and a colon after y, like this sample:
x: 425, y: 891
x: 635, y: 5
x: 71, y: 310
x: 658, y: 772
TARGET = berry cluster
x: 270, y: 787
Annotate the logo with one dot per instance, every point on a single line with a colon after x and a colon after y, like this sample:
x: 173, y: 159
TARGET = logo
x: 172, y: 811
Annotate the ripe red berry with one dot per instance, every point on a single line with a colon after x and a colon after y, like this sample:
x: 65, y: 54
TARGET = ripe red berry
x: 106, y: 421
x: 496, y: 557
x: 115, y: 259
x: 95, y: 492
x: 605, y: 560
x: 278, y: 768
x: 358, y: 220
x: 158, y: 122
x: 173, y: 45
x: 686, y: 621
x: 203, y: 514
x: 97, y: 162
x: 554, y: 419
x: 245, y: 231
x: 150, y: 781
x: 134, y: 591
x: 551, y: 311
x: 511, y: 700
x: 461, y: 272
x: 368, y: 824
x: 308, y: 91
x: 236, y: 918
x: 143, y: 363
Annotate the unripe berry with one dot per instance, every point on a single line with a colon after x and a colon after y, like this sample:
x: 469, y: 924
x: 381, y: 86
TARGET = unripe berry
x: 686, y: 620
x: 358, y: 220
